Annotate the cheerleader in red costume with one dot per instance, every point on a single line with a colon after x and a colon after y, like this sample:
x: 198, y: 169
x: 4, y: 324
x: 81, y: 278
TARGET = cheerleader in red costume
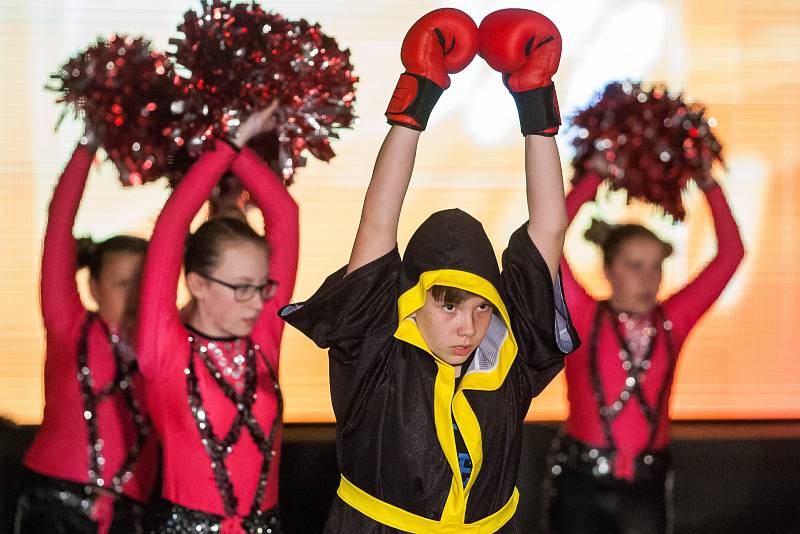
x: 611, y: 469
x: 92, y: 464
x: 211, y: 372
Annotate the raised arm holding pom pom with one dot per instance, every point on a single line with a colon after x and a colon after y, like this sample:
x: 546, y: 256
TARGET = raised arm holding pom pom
x: 610, y: 469
x: 93, y: 463
x: 212, y: 371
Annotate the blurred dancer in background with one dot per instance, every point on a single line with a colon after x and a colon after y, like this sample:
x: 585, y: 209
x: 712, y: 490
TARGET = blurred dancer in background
x: 610, y: 470
x: 93, y: 462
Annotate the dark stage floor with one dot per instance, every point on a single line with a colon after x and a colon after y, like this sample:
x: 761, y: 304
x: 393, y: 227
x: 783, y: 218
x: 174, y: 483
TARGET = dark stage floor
x: 731, y: 477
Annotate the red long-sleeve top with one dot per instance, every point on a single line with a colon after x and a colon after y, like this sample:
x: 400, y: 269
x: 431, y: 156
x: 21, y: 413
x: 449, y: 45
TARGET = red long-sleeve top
x: 60, y: 447
x: 188, y: 478
x: 630, y: 429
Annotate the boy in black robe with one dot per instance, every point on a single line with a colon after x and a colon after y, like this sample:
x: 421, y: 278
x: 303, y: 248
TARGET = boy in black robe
x: 434, y: 359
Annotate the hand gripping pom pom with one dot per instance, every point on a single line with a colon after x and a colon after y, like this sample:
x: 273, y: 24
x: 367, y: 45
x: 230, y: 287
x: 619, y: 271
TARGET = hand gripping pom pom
x: 654, y: 141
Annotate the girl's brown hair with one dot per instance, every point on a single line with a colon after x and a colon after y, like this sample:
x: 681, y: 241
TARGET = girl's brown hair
x: 205, y: 246
x: 611, y: 237
x: 91, y: 254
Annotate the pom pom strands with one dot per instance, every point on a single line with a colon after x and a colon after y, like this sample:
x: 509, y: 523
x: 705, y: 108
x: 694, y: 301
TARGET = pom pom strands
x: 235, y: 59
x: 123, y: 90
x: 317, y: 87
x: 654, y: 142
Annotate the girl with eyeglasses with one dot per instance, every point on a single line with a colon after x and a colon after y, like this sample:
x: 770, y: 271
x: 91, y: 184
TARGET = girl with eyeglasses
x: 211, y: 370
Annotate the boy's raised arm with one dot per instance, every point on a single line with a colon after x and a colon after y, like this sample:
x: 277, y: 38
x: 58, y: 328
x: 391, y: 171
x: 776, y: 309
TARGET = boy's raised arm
x: 442, y: 42
x: 547, y: 223
x: 377, y: 230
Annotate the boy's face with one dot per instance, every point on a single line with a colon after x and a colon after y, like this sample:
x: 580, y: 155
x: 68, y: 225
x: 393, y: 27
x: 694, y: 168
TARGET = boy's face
x: 453, y: 331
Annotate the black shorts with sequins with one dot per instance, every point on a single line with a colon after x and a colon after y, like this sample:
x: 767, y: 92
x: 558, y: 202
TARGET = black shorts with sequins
x: 171, y: 518
x: 50, y: 504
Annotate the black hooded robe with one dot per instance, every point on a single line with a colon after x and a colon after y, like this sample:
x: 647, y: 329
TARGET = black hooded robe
x: 395, y: 402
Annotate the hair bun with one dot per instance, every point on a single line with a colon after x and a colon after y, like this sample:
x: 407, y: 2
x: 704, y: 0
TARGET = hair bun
x: 86, y: 249
x: 598, y: 232
x: 611, y: 237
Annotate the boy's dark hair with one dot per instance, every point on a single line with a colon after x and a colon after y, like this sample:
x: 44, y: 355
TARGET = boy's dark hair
x: 450, y: 295
x: 91, y: 254
x: 204, y: 247
x: 610, y: 238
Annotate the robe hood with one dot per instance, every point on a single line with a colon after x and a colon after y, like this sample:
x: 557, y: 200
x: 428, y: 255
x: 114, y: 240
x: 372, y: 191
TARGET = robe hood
x: 451, y: 249
x: 453, y: 240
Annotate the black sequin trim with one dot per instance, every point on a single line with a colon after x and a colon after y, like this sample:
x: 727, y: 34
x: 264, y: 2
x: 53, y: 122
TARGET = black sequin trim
x: 122, y: 384
x: 609, y: 412
x: 219, y: 449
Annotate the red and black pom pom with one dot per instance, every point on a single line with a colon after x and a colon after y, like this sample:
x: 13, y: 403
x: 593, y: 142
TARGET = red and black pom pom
x: 123, y: 90
x: 235, y: 59
x: 654, y: 141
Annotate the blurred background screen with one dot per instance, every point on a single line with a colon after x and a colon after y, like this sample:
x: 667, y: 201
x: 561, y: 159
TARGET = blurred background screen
x: 741, y: 58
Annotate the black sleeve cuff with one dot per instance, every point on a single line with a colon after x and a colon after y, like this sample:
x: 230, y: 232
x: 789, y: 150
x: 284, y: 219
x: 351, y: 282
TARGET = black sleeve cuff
x: 230, y: 143
x: 420, y: 108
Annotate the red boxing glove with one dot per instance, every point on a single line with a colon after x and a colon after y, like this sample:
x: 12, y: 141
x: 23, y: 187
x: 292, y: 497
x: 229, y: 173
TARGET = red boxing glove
x: 443, y: 41
x: 526, y: 47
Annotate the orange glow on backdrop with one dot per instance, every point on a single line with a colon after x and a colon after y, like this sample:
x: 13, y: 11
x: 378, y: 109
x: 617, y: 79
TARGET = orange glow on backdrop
x: 739, y: 57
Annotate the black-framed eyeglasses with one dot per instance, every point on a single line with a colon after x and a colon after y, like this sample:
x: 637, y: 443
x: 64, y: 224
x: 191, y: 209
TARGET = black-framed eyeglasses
x: 244, y: 292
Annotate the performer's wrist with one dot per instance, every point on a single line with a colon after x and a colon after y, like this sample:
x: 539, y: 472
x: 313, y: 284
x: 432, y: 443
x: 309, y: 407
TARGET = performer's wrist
x: 707, y: 184
x: 232, y: 142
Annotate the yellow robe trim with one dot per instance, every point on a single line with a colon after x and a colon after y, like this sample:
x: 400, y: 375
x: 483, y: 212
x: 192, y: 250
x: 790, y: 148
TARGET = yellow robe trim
x: 446, y: 401
x: 400, y: 519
